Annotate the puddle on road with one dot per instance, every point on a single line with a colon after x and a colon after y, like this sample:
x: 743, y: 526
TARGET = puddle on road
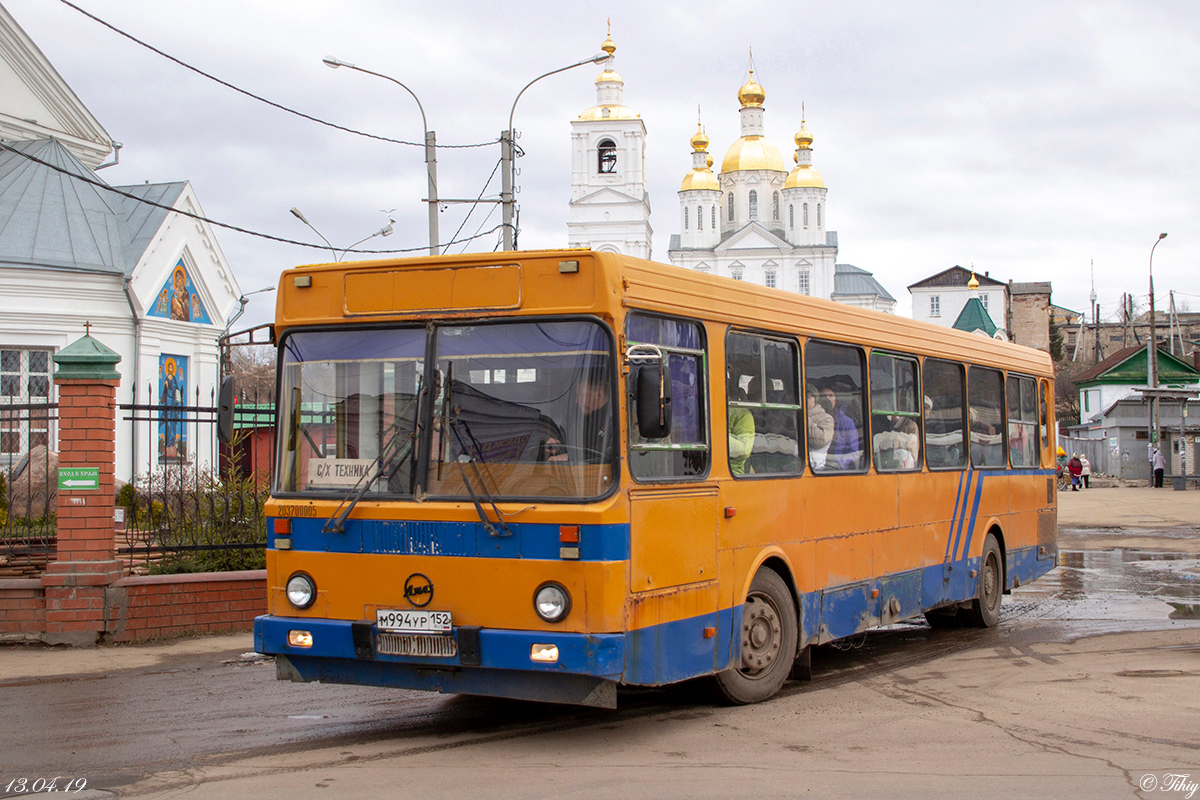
x: 1117, y: 588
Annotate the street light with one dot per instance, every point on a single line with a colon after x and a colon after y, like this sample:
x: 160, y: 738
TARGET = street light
x: 386, y: 230
x: 298, y: 214
x: 1152, y: 351
x: 242, y: 301
x: 430, y: 149
x: 508, y: 167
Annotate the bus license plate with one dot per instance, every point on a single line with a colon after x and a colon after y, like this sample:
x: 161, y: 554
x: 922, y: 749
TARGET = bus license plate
x: 391, y: 619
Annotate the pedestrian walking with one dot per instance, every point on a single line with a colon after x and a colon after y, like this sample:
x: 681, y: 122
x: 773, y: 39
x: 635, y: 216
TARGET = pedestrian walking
x: 1087, y: 469
x: 1160, y: 465
x: 1075, y: 467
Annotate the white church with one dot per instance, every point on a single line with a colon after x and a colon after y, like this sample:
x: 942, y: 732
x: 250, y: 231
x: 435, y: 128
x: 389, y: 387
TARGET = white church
x: 754, y: 221
x: 80, y: 255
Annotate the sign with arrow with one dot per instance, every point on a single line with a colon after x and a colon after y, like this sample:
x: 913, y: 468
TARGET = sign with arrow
x: 79, y: 479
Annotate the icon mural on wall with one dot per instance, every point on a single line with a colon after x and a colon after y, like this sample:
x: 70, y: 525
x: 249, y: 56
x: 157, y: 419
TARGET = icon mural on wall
x: 179, y: 299
x: 172, y: 397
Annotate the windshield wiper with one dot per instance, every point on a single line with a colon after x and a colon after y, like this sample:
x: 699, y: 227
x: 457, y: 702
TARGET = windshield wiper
x: 465, y: 458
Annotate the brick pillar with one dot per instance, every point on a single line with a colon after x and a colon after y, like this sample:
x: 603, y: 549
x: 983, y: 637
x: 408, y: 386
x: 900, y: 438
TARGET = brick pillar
x: 74, y: 583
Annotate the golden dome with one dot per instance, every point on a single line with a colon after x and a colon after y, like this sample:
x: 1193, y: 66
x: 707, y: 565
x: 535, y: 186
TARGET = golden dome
x: 608, y: 45
x: 609, y: 112
x: 753, y: 152
x: 973, y: 283
x: 699, y: 140
x: 700, y: 179
x: 804, y: 139
x: 608, y: 75
x: 805, y: 177
x: 751, y: 94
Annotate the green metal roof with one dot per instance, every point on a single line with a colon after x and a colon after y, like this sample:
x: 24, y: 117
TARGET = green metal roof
x: 974, y: 317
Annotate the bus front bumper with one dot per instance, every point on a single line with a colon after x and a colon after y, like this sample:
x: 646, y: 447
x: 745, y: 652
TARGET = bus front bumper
x: 500, y: 663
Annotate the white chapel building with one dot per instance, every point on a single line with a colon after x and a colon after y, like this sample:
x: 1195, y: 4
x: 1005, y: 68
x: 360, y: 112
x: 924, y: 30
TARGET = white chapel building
x: 81, y: 256
x: 755, y: 220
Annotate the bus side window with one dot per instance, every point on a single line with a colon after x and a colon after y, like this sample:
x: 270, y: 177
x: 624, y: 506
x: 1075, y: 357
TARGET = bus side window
x: 1044, y: 396
x: 685, y: 451
x: 762, y: 395
x: 985, y: 389
x: 895, y: 416
x: 1024, y: 449
x: 839, y: 375
x: 945, y: 405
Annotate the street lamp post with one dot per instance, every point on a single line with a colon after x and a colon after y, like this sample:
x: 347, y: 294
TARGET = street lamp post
x: 508, y: 162
x: 430, y: 149
x: 1152, y: 352
x: 298, y: 214
x: 242, y: 301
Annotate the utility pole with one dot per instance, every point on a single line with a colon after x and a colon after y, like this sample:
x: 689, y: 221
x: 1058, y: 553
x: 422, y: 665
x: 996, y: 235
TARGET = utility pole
x: 1152, y: 343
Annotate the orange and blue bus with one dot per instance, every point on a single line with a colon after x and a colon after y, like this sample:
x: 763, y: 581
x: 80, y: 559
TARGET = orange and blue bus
x: 546, y: 475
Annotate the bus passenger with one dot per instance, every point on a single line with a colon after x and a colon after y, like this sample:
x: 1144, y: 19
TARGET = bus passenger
x: 741, y: 428
x: 844, y: 451
x: 820, y: 428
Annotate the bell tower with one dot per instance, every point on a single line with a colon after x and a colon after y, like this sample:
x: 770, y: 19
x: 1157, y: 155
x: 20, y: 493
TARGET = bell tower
x: 610, y: 202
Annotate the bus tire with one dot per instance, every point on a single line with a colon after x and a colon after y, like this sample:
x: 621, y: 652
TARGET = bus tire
x: 769, y: 632
x: 942, y: 619
x: 984, y: 610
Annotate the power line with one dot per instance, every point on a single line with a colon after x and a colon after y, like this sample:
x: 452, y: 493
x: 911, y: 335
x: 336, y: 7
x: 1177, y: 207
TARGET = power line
x: 271, y: 103
x: 101, y: 185
x: 478, y: 199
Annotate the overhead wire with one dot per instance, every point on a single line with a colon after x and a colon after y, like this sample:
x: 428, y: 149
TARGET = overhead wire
x: 259, y: 98
x: 201, y: 218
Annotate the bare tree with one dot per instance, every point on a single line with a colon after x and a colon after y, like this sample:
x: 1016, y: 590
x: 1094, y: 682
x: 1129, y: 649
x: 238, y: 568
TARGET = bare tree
x: 253, y: 371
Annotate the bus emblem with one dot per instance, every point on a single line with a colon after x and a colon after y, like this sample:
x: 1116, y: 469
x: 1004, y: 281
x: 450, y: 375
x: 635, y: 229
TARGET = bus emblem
x: 418, y: 590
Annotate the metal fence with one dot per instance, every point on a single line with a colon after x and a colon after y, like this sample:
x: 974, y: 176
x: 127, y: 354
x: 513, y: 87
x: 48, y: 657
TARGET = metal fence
x: 28, y: 498
x: 194, y: 511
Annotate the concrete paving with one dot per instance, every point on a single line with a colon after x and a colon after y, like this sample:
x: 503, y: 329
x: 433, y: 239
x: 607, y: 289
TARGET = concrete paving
x: 1129, y: 507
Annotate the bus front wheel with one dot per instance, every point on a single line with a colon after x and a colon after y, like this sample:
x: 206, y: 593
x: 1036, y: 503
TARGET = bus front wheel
x: 768, y: 639
x: 984, y: 610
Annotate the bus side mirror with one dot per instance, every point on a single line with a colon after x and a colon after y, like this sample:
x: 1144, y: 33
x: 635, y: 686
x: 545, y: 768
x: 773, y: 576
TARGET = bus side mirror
x: 225, y: 411
x: 652, y: 396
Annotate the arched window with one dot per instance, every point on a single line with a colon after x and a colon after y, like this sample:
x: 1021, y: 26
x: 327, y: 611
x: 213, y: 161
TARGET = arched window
x: 804, y: 284
x: 736, y: 273
x: 806, y: 215
x: 731, y: 206
x: 791, y: 216
x: 818, y: 215
x: 685, y: 218
x: 775, y: 207
x: 753, y: 204
x: 699, y: 218
x: 607, y: 157
x: 769, y: 279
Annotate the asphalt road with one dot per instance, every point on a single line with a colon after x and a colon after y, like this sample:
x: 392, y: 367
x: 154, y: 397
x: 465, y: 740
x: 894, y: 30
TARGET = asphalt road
x: 1087, y: 688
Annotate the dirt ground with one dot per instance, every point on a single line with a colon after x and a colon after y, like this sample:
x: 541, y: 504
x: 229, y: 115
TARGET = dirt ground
x: 1129, y: 517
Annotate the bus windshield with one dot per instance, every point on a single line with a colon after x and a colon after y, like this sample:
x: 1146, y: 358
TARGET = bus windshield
x: 517, y: 410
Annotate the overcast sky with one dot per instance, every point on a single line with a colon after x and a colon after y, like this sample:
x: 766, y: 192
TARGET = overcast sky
x: 1026, y: 139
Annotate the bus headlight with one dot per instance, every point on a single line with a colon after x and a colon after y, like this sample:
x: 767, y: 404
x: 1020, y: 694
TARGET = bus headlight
x: 301, y: 591
x: 552, y: 602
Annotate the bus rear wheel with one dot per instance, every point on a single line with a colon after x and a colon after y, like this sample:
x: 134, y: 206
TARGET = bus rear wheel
x: 768, y: 638
x: 984, y: 610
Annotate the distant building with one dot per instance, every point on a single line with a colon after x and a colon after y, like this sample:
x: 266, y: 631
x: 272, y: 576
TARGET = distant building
x: 151, y: 284
x: 941, y: 298
x: 1121, y: 374
x: 754, y: 220
x: 1029, y: 314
